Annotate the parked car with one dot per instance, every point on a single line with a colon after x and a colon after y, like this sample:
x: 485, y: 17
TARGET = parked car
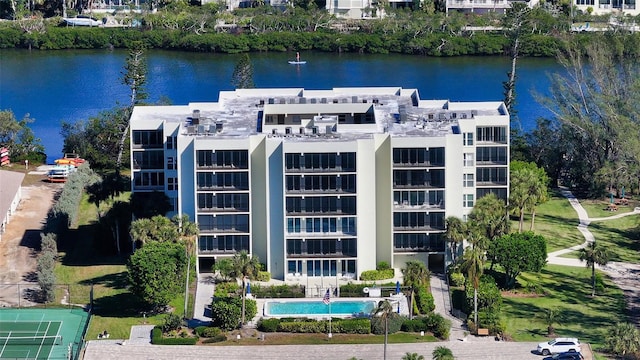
x: 567, y: 356
x: 559, y: 345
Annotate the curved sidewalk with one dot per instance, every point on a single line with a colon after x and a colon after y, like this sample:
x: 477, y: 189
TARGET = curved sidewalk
x: 583, y: 226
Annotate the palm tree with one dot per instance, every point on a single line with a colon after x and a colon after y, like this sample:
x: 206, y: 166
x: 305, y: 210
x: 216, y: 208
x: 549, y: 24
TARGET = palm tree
x: 473, y: 265
x: 412, y: 356
x: 594, y: 254
x: 385, y: 311
x: 187, y: 231
x: 245, y: 266
x: 442, y: 353
x: 456, y: 230
x: 550, y: 317
x: 539, y: 191
x: 623, y: 339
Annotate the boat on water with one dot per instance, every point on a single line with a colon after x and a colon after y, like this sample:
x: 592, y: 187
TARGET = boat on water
x: 82, y: 21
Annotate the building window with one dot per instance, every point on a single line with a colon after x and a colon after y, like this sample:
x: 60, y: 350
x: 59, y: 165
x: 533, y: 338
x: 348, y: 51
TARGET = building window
x: 147, y: 138
x: 468, y: 159
x: 467, y: 139
x: 497, y: 134
x: 171, y: 165
x: 171, y: 142
x: 467, y: 200
x: 172, y: 183
x: 467, y: 180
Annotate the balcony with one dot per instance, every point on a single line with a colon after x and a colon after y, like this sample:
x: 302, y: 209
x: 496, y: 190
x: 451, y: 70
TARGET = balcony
x: 406, y: 206
x: 425, y: 227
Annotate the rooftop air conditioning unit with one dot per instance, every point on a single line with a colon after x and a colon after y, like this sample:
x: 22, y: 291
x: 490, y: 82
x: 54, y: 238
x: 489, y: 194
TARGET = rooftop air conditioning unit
x: 287, y: 130
x: 195, y: 117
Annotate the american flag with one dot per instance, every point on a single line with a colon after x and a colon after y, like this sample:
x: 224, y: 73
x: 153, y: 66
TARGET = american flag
x: 327, y: 297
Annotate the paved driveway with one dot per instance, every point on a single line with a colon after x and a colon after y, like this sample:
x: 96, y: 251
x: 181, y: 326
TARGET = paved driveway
x: 99, y: 350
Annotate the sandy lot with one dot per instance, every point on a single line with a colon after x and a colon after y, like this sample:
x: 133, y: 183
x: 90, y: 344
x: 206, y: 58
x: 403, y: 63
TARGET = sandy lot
x: 21, y: 243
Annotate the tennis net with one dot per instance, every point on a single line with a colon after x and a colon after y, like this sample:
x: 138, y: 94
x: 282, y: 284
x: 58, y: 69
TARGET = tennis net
x: 31, y: 340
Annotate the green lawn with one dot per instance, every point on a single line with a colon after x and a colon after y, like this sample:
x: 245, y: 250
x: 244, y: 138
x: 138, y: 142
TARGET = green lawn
x: 557, y: 222
x: 115, y: 308
x: 621, y: 236
x: 568, y: 289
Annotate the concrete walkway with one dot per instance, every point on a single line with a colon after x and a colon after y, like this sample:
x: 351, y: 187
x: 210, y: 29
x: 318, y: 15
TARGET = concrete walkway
x: 625, y: 275
x: 204, y: 297
x: 583, y: 227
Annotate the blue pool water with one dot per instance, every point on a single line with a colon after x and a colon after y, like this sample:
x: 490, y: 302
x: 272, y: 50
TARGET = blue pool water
x: 318, y: 308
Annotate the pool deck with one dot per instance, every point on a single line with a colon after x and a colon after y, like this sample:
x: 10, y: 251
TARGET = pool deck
x: 316, y: 288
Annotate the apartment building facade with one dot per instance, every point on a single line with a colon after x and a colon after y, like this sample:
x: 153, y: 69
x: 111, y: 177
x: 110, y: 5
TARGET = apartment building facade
x: 322, y: 182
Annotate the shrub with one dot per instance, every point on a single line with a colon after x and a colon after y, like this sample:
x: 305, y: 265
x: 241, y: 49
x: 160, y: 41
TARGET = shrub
x: 224, y: 289
x: 489, y: 295
x: 372, y: 275
x: 225, y: 315
x: 311, y: 326
x: 171, y: 322
x: 215, y: 339
x: 424, y: 299
x: 414, y: 325
x: 352, y: 326
x: 263, y: 276
x: 383, y: 265
x: 211, y: 332
x: 277, y: 291
x: 268, y: 325
x: 438, y: 325
x: 456, y: 279
x: 157, y: 339
x: 393, y: 325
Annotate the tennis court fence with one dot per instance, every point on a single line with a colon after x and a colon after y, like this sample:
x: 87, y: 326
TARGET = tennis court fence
x: 30, y: 294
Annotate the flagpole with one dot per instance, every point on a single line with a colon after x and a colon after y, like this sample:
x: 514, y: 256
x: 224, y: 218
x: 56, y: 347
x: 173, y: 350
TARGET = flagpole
x: 330, y: 335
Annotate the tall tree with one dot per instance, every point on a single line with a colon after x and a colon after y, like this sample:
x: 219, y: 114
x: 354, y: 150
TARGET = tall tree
x: 135, y: 77
x: 489, y: 219
x: 594, y: 254
x: 455, y: 234
x: 187, y: 232
x: 245, y: 267
x: 519, y: 252
x: 242, y: 77
x: 156, y: 272
x: 384, y: 311
x: 527, y: 189
x: 18, y: 137
x: 473, y: 265
x: 596, y: 98
x: 156, y: 229
x: 515, y: 23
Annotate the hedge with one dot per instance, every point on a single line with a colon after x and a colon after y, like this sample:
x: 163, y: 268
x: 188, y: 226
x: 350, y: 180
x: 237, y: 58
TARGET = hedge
x: 157, y: 339
x: 277, y: 291
x: 372, y: 275
x: 435, y: 323
x: 343, y: 326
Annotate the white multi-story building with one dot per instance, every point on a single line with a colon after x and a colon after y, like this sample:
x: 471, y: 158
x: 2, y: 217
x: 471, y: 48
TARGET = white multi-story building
x: 484, y: 6
x: 322, y: 182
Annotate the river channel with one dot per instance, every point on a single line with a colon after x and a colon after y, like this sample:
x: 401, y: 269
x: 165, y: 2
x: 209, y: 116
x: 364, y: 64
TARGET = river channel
x: 72, y: 85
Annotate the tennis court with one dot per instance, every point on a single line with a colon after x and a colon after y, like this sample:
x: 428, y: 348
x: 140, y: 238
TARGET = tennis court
x: 42, y: 334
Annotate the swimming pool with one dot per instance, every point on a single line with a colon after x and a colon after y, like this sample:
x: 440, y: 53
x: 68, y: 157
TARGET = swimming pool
x: 316, y: 308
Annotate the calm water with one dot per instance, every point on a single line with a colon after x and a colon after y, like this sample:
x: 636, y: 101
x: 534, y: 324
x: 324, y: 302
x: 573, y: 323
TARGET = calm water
x: 315, y: 308
x: 53, y: 86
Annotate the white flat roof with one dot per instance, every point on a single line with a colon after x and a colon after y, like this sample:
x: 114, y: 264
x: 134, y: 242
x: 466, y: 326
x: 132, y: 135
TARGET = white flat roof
x: 397, y: 111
